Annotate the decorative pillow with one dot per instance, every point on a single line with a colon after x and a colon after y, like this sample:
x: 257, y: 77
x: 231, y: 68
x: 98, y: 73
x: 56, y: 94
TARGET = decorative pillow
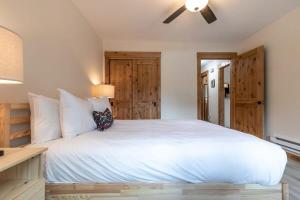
x: 76, y: 115
x: 100, y: 104
x: 104, y: 120
x: 45, y: 125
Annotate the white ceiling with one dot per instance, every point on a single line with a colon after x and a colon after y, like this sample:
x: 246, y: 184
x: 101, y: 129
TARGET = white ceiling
x: 142, y: 19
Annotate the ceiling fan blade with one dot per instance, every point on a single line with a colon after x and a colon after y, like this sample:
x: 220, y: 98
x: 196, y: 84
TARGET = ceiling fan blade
x: 174, y: 15
x: 208, y: 15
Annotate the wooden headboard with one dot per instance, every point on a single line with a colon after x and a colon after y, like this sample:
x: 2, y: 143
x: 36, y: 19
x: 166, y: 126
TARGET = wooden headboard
x: 14, y: 125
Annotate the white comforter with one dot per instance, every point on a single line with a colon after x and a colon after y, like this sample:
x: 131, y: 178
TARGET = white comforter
x: 164, y: 151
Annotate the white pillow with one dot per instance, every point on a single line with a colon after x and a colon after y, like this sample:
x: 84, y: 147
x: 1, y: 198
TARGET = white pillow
x: 100, y: 104
x: 45, y: 123
x: 76, y: 115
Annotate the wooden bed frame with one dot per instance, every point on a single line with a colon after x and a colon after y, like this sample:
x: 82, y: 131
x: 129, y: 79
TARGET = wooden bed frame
x: 18, y: 115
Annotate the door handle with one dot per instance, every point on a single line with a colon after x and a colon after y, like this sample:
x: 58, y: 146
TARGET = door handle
x: 154, y: 104
x: 260, y: 102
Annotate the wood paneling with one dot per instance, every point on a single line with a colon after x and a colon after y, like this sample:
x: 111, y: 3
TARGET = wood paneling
x: 248, y: 92
x: 146, y: 89
x: 5, y: 125
x: 136, y: 76
x: 120, y: 75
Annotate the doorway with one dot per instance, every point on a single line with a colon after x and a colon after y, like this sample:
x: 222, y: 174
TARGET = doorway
x: 240, y: 99
x: 214, y: 94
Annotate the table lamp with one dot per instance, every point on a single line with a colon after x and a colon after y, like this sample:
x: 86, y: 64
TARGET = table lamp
x: 11, y: 57
x: 104, y: 90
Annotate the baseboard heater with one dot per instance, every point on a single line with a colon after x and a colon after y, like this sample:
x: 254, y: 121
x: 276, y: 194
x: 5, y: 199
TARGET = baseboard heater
x: 293, y: 147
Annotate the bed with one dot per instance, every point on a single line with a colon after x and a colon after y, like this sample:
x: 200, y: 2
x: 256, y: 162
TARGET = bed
x: 156, y: 159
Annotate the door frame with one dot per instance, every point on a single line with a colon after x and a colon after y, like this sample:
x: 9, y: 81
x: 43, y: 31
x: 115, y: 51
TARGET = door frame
x: 211, y: 56
x: 133, y: 55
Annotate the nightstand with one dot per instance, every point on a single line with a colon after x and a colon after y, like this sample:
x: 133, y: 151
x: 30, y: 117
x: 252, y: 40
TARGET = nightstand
x: 21, y: 174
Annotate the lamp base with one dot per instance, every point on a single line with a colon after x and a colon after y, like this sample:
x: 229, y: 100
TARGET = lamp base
x: 1, y: 153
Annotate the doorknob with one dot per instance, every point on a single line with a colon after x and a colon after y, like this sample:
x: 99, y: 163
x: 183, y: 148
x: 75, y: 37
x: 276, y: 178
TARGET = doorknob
x: 154, y: 104
x: 260, y: 102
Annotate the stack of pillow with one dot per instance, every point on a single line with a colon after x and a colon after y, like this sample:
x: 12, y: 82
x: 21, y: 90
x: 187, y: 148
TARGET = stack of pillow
x: 69, y: 117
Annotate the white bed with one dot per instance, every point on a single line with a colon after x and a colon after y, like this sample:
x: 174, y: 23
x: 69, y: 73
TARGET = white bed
x: 164, y: 152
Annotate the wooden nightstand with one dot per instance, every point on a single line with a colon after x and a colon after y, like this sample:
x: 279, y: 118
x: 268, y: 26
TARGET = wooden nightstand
x: 21, y: 174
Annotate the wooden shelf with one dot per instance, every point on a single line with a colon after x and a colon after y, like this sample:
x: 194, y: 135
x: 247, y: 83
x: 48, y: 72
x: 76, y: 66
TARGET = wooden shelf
x: 19, y: 120
x: 20, y: 134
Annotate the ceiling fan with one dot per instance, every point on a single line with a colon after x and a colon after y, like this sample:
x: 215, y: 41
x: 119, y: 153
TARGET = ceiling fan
x: 194, y: 6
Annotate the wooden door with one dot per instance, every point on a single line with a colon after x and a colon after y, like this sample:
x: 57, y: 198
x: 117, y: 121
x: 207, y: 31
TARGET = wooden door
x: 248, y: 92
x: 120, y: 75
x: 146, y: 89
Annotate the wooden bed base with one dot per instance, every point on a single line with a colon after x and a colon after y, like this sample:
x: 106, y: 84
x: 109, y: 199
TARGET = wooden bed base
x: 165, y: 192
x: 13, y: 133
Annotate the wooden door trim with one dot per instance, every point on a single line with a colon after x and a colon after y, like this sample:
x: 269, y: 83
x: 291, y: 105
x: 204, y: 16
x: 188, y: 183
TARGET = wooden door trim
x: 209, y: 56
x: 131, y: 54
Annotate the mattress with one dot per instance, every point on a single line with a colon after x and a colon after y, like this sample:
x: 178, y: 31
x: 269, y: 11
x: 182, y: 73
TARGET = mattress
x: 164, y: 151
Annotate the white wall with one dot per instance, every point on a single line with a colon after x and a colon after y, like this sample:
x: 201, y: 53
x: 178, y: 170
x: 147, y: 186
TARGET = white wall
x: 282, y: 42
x: 60, y: 48
x: 178, y: 72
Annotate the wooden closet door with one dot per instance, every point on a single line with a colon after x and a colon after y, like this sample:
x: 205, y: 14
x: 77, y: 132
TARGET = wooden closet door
x: 248, y: 93
x: 120, y: 75
x: 146, y: 89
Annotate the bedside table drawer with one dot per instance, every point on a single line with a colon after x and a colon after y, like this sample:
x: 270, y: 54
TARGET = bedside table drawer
x: 23, y: 190
x: 21, y: 174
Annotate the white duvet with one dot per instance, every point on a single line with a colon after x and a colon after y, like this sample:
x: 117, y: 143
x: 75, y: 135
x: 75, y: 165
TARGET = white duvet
x: 164, y: 152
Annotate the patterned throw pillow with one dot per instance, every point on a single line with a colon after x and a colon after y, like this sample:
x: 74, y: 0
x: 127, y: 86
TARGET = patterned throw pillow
x: 104, y: 120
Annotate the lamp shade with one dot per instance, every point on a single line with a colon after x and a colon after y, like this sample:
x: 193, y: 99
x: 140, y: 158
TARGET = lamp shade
x: 11, y: 57
x: 103, y: 90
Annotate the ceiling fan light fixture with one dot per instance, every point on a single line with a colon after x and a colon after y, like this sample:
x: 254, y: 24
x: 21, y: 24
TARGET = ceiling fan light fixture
x: 195, y: 5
